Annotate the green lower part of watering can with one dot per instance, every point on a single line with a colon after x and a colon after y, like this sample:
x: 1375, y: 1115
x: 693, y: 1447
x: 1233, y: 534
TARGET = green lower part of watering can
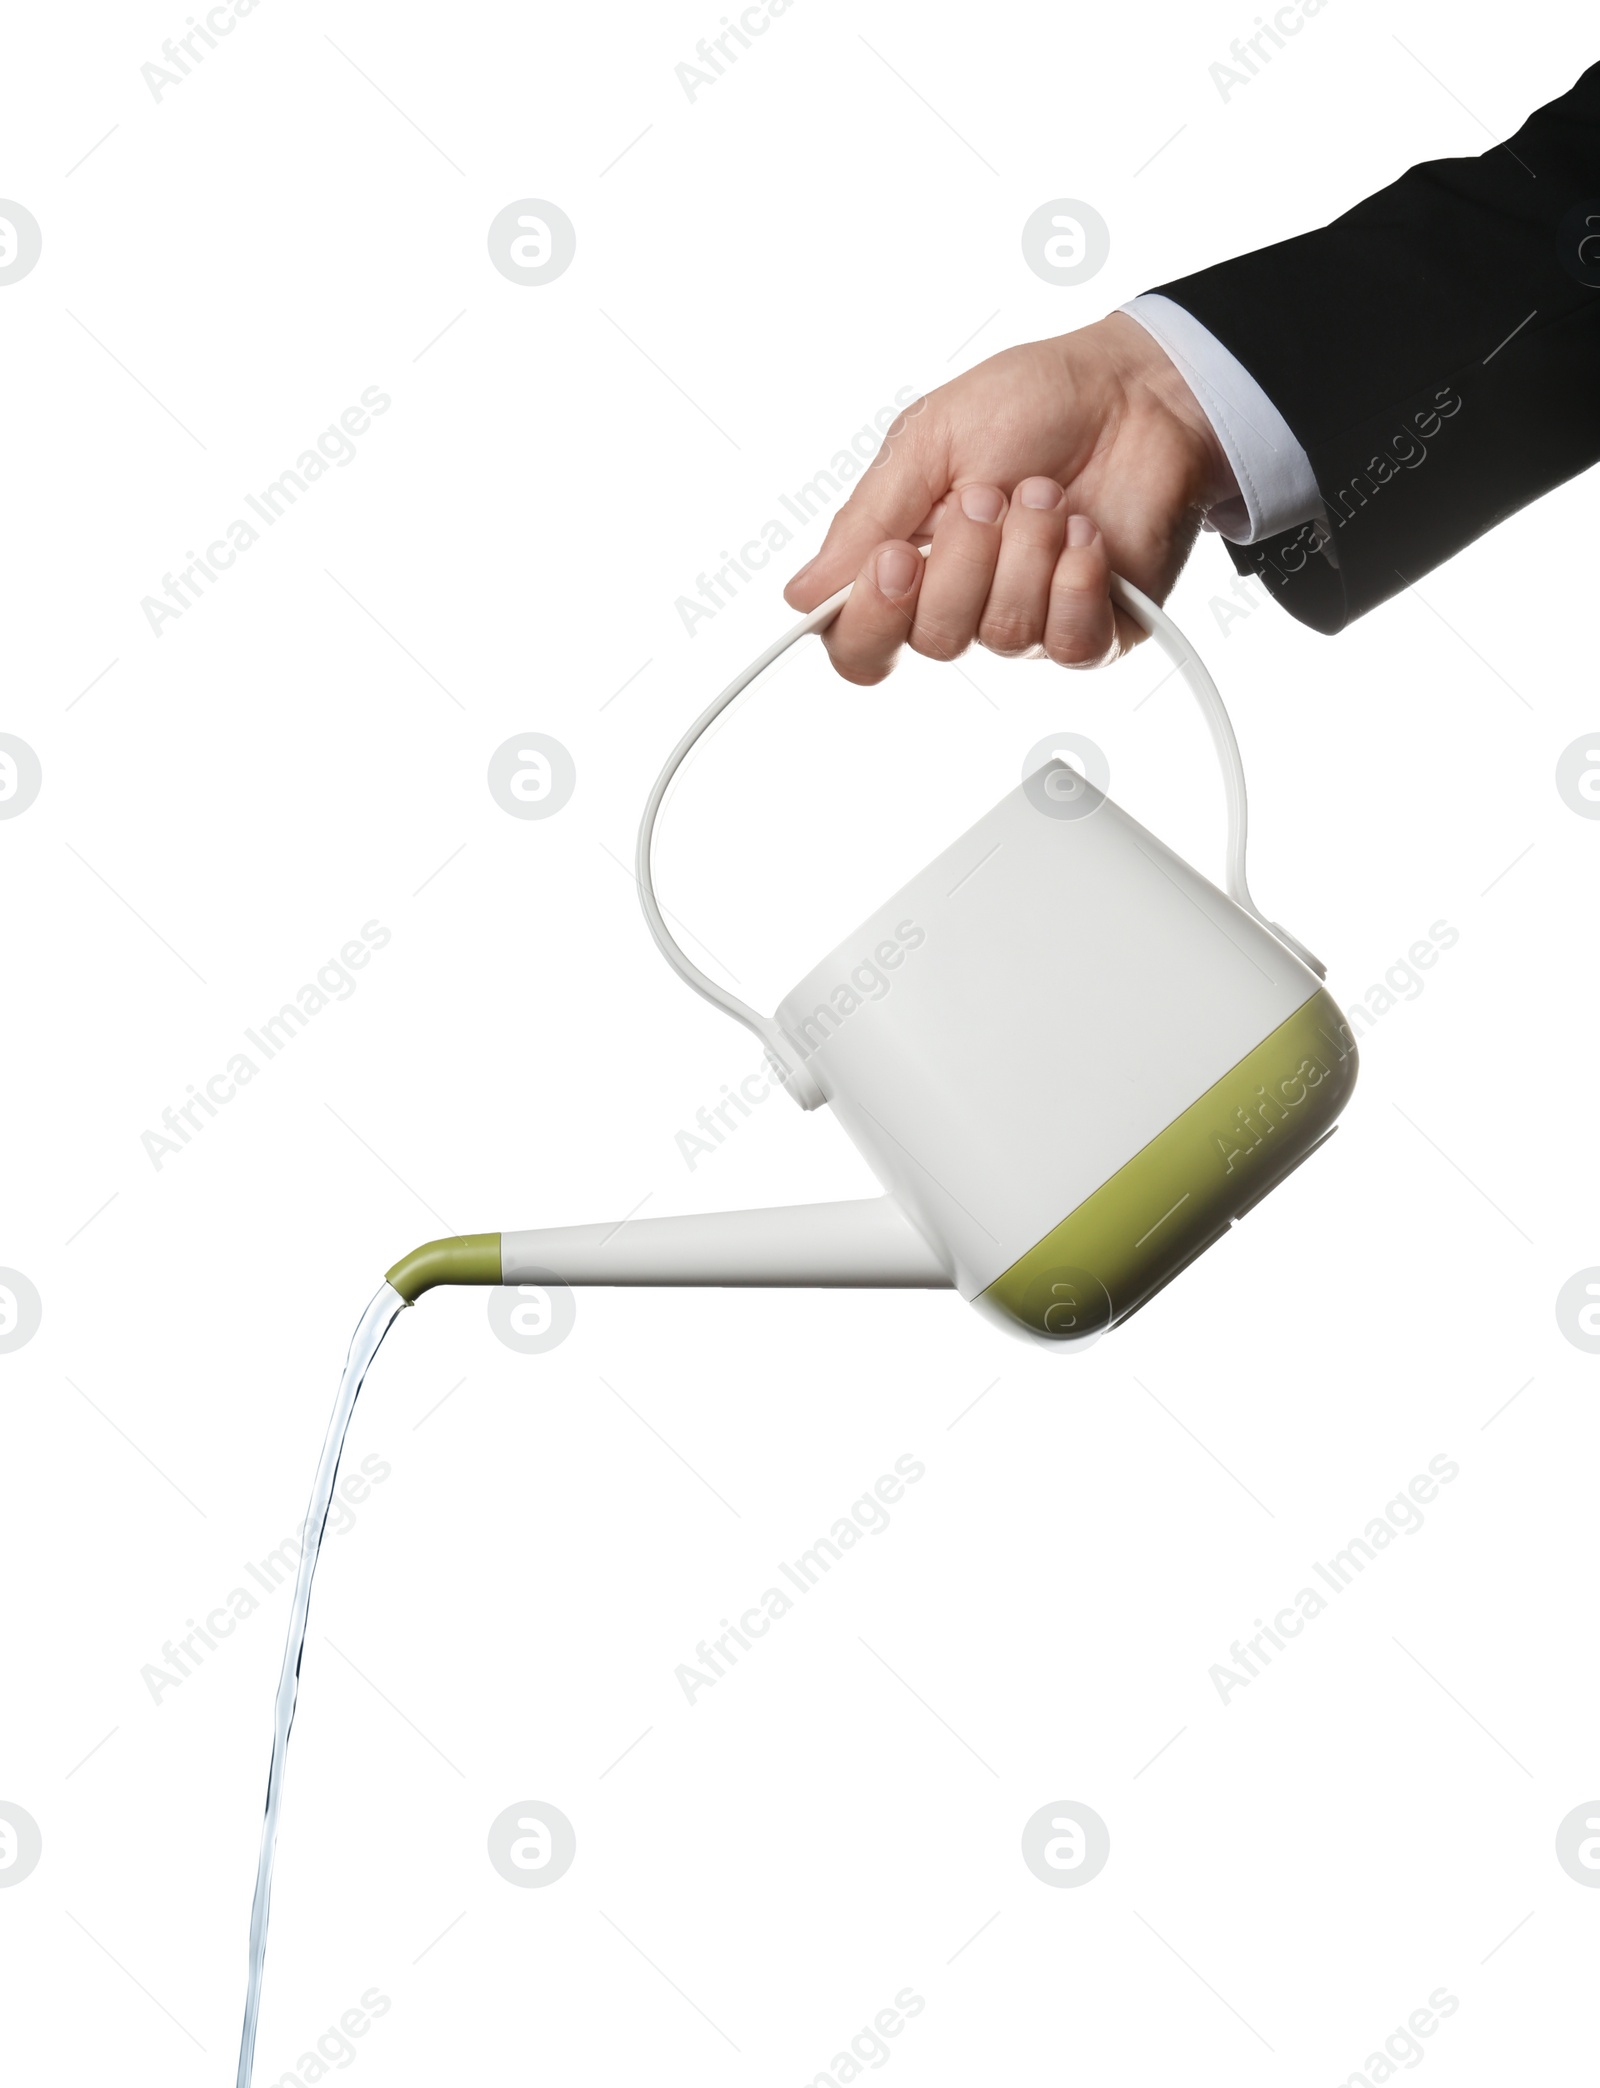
x: 1185, y: 1188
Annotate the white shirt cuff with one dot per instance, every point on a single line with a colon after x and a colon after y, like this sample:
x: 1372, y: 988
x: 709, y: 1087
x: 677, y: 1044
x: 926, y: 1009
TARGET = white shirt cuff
x: 1277, y: 489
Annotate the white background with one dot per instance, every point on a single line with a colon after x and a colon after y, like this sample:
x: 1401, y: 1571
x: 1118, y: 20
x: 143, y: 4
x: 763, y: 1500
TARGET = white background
x: 1298, y: 1870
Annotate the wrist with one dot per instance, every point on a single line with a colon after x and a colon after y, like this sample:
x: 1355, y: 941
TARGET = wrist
x: 1152, y: 382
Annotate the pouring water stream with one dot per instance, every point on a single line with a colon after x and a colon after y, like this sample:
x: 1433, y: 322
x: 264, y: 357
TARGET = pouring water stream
x: 376, y: 1321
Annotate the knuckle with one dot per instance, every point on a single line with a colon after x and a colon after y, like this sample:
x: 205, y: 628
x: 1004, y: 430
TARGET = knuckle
x: 939, y: 642
x: 904, y: 421
x: 862, y: 661
x: 1008, y: 632
x: 960, y: 554
x: 1072, y: 648
x: 863, y: 673
x: 1035, y: 529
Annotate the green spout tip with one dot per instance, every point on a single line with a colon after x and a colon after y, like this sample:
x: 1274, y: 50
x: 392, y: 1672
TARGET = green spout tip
x: 468, y: 1258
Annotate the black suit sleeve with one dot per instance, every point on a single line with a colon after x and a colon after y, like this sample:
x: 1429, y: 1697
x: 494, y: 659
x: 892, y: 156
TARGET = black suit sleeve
x: 1436, y: 351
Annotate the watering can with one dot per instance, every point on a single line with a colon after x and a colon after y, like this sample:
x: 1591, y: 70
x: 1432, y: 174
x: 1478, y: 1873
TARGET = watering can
x: 1071, y: 1061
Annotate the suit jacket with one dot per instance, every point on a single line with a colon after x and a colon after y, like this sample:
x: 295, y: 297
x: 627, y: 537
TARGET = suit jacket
x: 1436, y: 351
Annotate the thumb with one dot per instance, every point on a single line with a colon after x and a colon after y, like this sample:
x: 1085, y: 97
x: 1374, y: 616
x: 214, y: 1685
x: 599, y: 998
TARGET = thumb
x: 901, y: 486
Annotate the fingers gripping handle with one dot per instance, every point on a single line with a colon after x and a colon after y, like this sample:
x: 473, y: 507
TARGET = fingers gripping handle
x: 780, y: 1050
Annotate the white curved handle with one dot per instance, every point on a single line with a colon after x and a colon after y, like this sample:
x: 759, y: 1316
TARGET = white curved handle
x: 1189, y: 664
x: 1145, y: 613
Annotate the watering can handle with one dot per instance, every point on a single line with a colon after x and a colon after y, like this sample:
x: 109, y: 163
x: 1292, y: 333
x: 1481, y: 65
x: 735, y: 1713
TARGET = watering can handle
x: 1144, y: 612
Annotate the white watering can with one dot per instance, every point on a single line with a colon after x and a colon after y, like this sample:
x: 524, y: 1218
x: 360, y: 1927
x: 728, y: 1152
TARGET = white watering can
x: 1070, y: 1060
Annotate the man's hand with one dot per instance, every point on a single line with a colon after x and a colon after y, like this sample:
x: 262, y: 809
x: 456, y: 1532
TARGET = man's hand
x: 1034, y: 477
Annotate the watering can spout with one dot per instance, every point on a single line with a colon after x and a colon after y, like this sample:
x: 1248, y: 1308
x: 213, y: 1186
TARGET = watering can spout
x: 868, y: 1244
